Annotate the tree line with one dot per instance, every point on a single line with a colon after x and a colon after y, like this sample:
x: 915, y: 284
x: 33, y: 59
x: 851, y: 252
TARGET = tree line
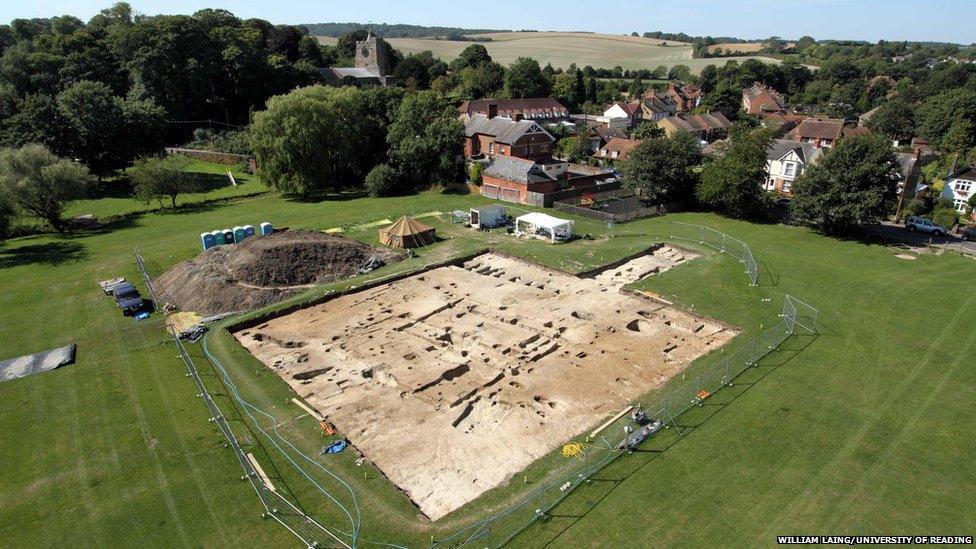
x: 120, y: 85
x: 853, y: 183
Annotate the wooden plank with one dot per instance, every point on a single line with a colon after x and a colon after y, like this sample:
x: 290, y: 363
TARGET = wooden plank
x: 611, y: 420
x: 257, y: 467
x: 307, y: 408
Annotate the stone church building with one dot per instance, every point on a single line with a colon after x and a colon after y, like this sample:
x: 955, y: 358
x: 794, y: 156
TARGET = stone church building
x: 372, y: 66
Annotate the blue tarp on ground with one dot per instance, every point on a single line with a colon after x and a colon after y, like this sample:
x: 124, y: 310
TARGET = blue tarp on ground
x: 335, y: 447
x: 36, y: 363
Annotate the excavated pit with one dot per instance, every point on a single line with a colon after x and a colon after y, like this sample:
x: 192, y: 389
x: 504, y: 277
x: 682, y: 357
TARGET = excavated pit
x: 454, y: 380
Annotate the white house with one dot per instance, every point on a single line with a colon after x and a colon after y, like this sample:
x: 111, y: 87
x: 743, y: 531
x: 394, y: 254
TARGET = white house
x: 785, y: 161
x: 959, y: 187
x: 630, y: 112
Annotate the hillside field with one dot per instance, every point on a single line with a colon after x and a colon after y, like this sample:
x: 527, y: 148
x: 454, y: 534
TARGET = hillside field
x: 564, y: 48
x: 865, y: 428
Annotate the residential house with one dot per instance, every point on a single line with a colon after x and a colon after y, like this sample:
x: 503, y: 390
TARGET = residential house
x: 601, y: 135
x: 372, y: 68
x: 656, y: 106
x: 685, y: 97
x: 630, y: 111
x: 617, y: 149
x: 959, y: 187
x: 822, y: 132
x: 855, y: 131
x: 781, y: 122
x: 491, y: 136
x: 863, y: 119
x: 785, y: 161
x: 910, y: 175
x: 760, y: 98
x: 534, y: 108
x: 525, y: 181
x: 706, y: 126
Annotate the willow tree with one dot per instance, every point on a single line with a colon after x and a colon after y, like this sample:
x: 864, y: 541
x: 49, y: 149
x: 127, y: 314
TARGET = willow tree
x: 312, y: 139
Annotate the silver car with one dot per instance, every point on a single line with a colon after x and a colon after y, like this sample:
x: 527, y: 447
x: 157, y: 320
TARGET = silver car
x: 923, y: 225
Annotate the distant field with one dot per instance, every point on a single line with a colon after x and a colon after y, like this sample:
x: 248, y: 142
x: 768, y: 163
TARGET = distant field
x: 563, y: 48
x: 751, y: 47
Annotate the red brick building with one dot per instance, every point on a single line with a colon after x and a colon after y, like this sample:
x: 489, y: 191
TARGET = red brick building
x: 686, y: 97
x: 821, y: 132
x: 760, y: 98
x: 527, y: 182
x: 531, y: 108
x: 491, y: 136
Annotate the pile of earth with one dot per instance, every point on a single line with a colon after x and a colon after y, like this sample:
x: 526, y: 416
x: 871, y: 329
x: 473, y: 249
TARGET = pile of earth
x: 264, y: 270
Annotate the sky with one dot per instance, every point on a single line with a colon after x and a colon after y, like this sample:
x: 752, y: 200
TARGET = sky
x: 871, y: 20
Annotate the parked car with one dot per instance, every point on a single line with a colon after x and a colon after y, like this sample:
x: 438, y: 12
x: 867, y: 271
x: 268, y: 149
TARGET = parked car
x: 969, y: 233
x: 127, y: 297
x: 923, y: 225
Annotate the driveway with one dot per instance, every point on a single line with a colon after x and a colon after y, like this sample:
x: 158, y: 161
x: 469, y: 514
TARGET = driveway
x: 898, y: 233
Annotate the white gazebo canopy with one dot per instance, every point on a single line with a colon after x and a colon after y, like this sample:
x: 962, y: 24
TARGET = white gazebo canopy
x: 536, y: 220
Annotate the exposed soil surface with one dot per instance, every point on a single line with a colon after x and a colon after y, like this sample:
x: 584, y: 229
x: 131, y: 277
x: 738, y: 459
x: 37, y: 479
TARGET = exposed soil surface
x: 453, y: 380
x: 263, y: 270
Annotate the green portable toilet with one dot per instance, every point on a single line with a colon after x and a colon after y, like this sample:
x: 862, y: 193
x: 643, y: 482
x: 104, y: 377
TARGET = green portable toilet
x: 239, y: 234
x: 219, y: 238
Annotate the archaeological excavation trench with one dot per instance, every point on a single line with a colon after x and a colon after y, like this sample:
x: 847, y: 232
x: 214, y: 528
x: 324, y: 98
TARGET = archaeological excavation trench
x: 453, y: 380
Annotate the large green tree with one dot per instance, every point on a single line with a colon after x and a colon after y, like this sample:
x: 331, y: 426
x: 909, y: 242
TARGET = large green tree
x: 41, y: 183
x: 731, y: 183
x: 426, y: 139
x: 105, y: 131
x: 852, y: 184
x: 661, y: 169
x: 312, y: 139
x: 894, y: 118
x: 524, y: 78
x: 936, y: 115
x: 159, y: 178
x: 724, y: 98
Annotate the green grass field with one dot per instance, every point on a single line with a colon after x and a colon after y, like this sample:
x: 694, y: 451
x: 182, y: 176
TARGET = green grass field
x: 564, y: 48
x: 864, y: 429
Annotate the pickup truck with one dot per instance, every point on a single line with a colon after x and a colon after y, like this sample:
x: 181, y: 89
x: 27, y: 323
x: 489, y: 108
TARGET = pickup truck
x: 127, y: 297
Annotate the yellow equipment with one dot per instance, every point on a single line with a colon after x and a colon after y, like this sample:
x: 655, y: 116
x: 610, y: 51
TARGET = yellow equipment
x: 573, y: 449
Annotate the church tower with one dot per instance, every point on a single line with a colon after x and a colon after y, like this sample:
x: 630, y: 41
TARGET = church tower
x: 371, y: 54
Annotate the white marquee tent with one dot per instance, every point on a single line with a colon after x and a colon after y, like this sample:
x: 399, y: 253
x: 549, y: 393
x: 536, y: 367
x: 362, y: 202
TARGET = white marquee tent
x: 531, y: 223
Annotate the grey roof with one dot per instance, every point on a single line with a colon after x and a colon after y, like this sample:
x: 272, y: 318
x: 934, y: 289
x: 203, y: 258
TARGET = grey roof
x: 778, y: 148
x: 504, y: 130
x: 511, y: 168
x: 968, y: 173
x: 355, y: 72
x: 906, y: 163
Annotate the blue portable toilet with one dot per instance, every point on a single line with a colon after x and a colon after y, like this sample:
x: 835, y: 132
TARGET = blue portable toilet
x: 266, y: 229
x: 239, y: 234
x: 207, y: 240
x: 228, y: 236
x: 249, y: 230
x: 219, y: 238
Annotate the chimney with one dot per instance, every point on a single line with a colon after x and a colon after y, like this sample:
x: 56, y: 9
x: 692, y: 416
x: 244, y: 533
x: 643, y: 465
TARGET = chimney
x: 518, y: 116
x: 952, y: 169
x: 492, y: 110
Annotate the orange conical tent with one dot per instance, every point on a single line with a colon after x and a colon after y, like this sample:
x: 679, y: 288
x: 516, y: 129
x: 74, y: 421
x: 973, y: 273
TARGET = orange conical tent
x: 407, y: 232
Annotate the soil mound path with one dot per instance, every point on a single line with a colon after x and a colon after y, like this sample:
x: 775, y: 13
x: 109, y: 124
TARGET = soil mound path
x: 263, y: 270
